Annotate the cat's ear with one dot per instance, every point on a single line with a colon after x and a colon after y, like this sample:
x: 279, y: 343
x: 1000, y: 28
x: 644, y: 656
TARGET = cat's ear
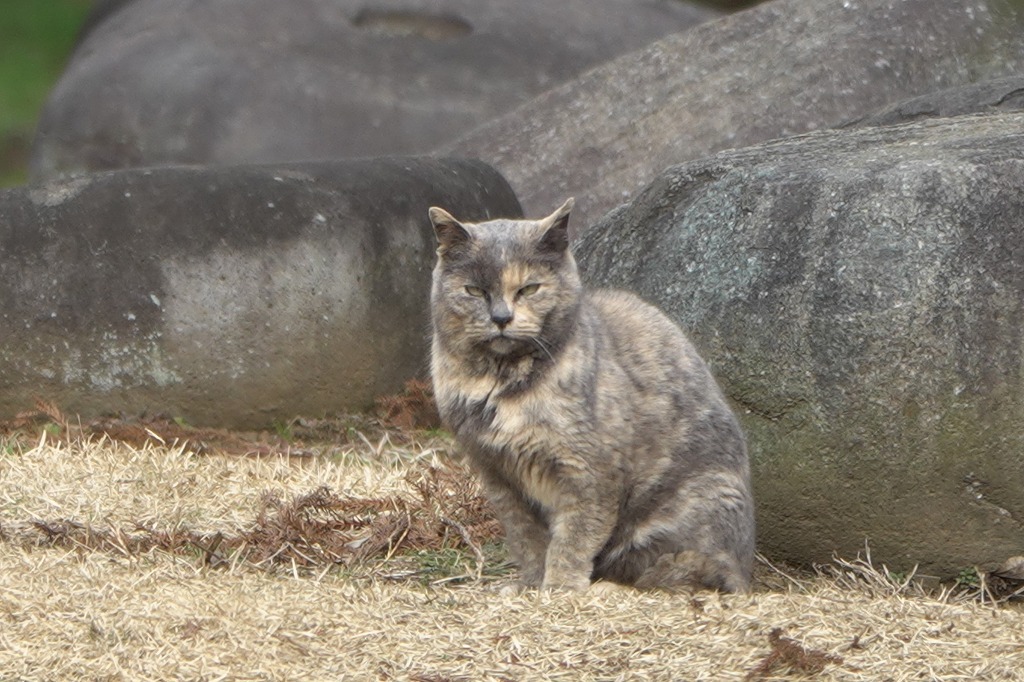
x: 450, y: 232
x: 556, y: 228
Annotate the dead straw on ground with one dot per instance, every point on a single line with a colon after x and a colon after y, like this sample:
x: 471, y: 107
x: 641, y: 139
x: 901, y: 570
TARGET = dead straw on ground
x: 376, y: 560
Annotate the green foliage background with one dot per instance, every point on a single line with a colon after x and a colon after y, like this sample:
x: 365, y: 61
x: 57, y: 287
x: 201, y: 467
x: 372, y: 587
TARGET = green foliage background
x: 36, y: 37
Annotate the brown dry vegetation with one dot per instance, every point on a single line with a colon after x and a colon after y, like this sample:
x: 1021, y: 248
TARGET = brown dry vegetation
x: 146, y: 550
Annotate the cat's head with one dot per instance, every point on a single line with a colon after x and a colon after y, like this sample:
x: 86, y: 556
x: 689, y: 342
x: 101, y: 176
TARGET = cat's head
x: 504, y: 288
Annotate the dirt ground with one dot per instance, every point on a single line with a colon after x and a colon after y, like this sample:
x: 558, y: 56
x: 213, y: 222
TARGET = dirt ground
x: 176, y: 555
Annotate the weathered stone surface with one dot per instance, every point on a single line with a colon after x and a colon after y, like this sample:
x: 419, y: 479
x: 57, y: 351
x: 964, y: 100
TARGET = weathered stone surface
x: 98, y: 13
x: 238, y: 81
x: 860, y: 296
x: 229, y: 296
x: 732, y: 4
x: 1000, y: 94
x: 782, y: 68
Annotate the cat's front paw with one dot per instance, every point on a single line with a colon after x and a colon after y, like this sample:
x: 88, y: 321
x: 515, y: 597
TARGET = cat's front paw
x: 566, y: 583
x: 513, y: 590
x: 531, y: 578
x: 603, y: 588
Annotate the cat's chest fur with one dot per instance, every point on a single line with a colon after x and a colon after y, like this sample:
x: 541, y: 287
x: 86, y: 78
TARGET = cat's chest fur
x: 519, y: 437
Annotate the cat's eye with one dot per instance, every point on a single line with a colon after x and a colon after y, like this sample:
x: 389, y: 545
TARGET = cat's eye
x: 476, y: 291
x: 528, y: 290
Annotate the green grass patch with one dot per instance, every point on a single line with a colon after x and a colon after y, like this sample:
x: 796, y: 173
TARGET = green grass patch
x: 452, y: 565
x: 36, y: 37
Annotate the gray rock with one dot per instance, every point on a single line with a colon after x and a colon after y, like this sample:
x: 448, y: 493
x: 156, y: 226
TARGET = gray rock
x: 1000, y: 94
x: 860, y: 296
x: 236, y: 81
x: 228, y: 296
x: 98, y: 13
x: 779, y: 69
x: 732, y: 4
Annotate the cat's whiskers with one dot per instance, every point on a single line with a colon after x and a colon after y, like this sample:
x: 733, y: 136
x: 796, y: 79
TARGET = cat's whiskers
x: 540, y: 343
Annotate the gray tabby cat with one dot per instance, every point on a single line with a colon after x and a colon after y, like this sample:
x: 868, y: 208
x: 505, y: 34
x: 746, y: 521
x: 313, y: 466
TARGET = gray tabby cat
x: 601, y: 438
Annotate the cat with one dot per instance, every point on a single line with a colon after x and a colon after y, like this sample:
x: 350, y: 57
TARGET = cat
x: 601, y: 439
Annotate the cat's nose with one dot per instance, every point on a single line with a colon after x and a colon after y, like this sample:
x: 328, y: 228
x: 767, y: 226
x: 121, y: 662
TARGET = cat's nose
x: 501, y: 316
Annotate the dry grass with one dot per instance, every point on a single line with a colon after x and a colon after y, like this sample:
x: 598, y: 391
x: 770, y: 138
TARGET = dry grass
x: 373, y: 560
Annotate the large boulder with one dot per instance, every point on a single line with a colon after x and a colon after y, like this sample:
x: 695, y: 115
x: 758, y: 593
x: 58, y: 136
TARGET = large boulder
x: 999, y: 94
x: 238, y: 81
x: 782, y: 68
x: 732, y: 4
x: 860, y: 296
x: 229, y: 296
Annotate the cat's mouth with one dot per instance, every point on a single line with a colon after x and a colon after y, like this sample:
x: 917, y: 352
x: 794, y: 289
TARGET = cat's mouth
x: 504, y: 345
